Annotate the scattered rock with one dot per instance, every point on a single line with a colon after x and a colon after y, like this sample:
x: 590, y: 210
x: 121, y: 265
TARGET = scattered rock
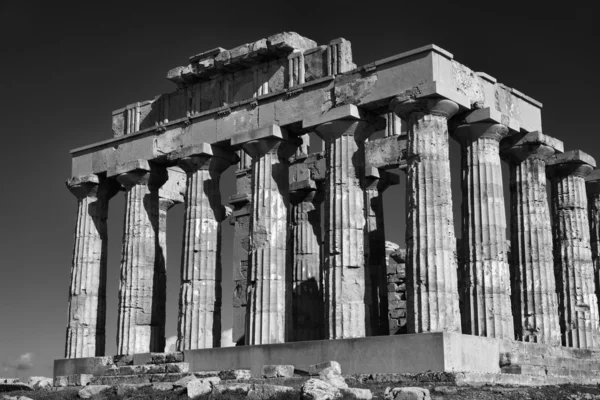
x: 406, y: 393
x: 40, y: 382
x: 199, y: 387
x: 91, y: 390
x: 356, y: 394
x: 316, y: 369
x: 184, y: 381
x: 277, y: 371
x: 235, y: 374
x: 333, y: 376
x: 265, y: 391
x: 163, y: 386
x: 316, y: 389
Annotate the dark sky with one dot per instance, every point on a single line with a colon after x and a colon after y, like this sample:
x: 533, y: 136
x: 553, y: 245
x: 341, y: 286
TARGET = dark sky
x: 64, y: 66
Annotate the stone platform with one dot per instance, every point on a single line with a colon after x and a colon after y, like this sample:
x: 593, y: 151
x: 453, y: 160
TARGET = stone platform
x: 399, y: 354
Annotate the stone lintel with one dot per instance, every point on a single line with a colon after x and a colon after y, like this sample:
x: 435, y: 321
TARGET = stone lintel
x: 533, y: 138
x: 434, y: 90
x: 306, y: 185
x: 489, y: 114
x: 115, y: 170
x: 266, y: 132
x: 386, y: 153
x: 571, y: 157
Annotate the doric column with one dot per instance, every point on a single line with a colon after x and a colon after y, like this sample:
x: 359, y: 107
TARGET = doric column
x: 141, y: 319
x: 346, y: 278
x: 269, y: 301
x: 199, y: 321
x: 307, y: 302
x: 484, y: 273
x: 577, y: 302
x: 431, y: 283
x: 592, y: 186
x: 534, y: 301
x: 87, y: 291
x: 376, y: 182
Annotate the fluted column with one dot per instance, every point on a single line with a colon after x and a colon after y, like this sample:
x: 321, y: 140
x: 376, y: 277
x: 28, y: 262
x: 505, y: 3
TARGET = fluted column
x: 199, y: 322
x: 484, y: 273
x: 534, y: 300
x: 269, y: 301
x: 592, y: 186
x: 141, y: 319
x: 346, y: 277
x: 375, y: 254
x: 577, y: 302
x: 87, y: 291
x: 307, y: 302
x: 431, y: 282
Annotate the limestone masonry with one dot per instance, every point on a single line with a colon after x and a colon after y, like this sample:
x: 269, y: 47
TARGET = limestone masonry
x: 310, y: 259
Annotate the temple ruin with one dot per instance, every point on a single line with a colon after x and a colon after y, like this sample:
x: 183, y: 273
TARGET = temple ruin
x: 310, y: 262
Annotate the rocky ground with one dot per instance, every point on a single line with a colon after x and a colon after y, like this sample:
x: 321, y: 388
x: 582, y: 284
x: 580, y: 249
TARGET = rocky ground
x: 283, y: 382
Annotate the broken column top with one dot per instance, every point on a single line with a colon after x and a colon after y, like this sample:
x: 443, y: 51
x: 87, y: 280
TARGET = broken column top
x: 207, y: 64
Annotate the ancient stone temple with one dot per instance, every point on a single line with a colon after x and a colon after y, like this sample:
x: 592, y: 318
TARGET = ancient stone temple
x: 314, y: 278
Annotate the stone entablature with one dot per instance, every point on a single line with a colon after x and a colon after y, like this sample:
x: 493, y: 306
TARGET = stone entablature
x: 421, y: 73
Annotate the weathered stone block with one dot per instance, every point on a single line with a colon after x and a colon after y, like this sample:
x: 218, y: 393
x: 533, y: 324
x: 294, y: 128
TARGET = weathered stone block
x: 277, y: 371
x: 265, y: 392
x: 235, y: 374
x: 316, y: 389
x: 406, y: 393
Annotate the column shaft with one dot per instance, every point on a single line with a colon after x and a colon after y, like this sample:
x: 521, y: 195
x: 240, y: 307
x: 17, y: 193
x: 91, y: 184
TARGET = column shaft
x: 199, y: 324
x: 431, y: 282
x: 307, y: 302
x: 485, y: 271
x: 87, y: 291
x: 346, y: 282
x: 577, y: 302
x: 534, y: 301
x: 268, y: 302
x: 141, y: 320
x: 593, y: 197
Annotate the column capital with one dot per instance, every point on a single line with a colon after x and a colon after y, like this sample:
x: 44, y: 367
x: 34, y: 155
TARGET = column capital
x: 380, y: 180
x: 204, y: 156
x: 347, y: 120
x: 592, y: 182
x: 258, y: 142
x: 434, y: 106
x: 139, y: 172
x: 471, y: 132
x: 83, y: 186
x: 531, y: 145
x: 306, y: 190
x: 574, y: 162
